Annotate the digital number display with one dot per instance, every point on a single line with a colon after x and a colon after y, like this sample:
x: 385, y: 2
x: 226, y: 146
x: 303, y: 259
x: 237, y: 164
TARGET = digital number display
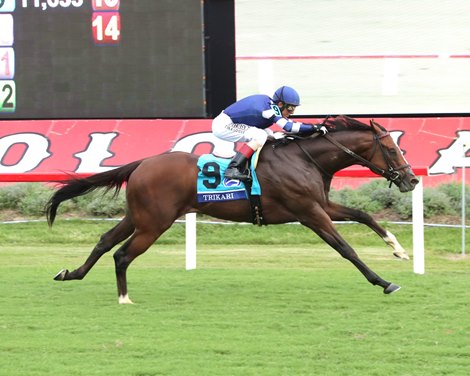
x: 101, y: 59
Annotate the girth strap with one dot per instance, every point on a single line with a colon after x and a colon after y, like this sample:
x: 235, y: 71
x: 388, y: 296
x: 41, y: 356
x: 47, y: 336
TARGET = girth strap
x: 257, y: 217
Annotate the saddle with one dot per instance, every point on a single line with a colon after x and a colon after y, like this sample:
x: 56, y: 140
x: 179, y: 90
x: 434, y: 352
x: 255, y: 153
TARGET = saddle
x: 213, y: 187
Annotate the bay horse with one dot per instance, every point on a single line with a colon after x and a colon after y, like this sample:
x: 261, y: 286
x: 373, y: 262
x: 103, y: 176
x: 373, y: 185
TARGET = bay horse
x: 295, y: 175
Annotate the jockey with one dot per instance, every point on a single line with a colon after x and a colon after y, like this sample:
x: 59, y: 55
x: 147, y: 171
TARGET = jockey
x: 247, y: 120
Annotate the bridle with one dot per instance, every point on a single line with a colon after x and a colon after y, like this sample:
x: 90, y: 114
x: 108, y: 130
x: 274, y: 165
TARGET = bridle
x: 392, y: 174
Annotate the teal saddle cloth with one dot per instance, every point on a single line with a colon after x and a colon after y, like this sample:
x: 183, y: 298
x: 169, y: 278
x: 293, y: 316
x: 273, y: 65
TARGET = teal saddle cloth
x: 213, y: 187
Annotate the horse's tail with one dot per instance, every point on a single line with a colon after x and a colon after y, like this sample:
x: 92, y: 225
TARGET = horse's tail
x: 78, y: 187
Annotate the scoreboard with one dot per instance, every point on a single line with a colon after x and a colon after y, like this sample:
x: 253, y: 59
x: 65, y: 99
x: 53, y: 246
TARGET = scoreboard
x: 102, y: 59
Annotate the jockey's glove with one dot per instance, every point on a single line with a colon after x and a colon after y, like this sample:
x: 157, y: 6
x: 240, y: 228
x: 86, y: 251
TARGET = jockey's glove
x: 309, y: 129
x: 319, y: 128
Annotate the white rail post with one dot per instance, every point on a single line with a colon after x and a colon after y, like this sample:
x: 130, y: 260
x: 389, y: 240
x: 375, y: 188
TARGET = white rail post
x: 463, y: 199
x: 190, y: 241
x: 418, y: 228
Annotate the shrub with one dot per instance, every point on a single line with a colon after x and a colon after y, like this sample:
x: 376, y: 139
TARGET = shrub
x: 356, y: 198
x: 29, y: 199
x: 453, y: 192
x: 403, y: 206
x: 12, y: 195
x: 379, y: 190
x: 375, y: 196
x: 34, y: 200
x: 102, y: 204
x: 436, y: 203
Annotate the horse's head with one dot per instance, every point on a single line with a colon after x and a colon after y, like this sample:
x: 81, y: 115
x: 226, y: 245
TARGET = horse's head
x: 379, y: 153
x: 389, y: 160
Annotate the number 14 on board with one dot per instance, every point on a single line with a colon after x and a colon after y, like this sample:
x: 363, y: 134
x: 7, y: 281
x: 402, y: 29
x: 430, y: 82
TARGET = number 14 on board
x: 106, y: 27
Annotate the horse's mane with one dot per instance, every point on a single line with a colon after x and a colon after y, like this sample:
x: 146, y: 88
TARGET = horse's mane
x: 333, y: 124
x: 344, y: 123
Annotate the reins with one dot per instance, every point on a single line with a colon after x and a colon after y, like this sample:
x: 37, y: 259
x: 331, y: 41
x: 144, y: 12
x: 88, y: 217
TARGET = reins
x: 295, y: 138
x: 324, y: 172
x: 374, y: 168
x: 391, y: 174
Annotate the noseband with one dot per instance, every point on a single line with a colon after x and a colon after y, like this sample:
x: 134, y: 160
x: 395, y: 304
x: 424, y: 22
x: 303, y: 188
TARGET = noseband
x: 392, y: 174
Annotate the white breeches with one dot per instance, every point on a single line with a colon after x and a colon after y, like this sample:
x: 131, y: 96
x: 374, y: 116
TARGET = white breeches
x: 224, y: 128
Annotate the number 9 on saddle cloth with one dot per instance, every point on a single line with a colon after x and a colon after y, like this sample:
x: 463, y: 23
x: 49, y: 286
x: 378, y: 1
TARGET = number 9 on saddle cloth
x: 213, y: 187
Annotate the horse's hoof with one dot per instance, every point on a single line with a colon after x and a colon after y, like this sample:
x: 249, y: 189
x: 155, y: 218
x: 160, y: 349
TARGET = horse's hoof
x: 391, y: 288
x: 124, y: 299
x: 61, y: 275
x: 401, y: 255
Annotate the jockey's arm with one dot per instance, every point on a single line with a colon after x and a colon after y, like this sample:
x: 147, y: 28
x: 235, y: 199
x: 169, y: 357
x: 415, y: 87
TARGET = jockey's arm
x: 297, y: 127
x: 293, y: 126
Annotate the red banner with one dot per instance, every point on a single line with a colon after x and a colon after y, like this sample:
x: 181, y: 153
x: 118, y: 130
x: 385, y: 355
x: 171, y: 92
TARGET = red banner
x: 83, y: 146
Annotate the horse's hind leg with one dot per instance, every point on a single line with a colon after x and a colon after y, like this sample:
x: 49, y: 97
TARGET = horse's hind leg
x: 139, y: 242
x: 117, y: 234
x: 342, y: 213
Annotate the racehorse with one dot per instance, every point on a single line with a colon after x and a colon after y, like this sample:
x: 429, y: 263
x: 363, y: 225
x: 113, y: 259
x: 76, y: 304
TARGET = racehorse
x: 295, y: 175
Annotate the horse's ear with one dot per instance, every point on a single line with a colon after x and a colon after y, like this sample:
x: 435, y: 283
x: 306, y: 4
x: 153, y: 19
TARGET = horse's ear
x: 377, y: 127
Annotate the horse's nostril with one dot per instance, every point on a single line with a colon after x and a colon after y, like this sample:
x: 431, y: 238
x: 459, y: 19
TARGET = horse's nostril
x: 414, y: 181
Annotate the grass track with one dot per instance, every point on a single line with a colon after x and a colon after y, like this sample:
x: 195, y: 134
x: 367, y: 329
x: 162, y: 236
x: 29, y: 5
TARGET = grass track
x: 246, y: 310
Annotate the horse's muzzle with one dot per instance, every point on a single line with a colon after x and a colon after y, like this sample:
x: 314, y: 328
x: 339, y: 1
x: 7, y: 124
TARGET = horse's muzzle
x: 408, y: 182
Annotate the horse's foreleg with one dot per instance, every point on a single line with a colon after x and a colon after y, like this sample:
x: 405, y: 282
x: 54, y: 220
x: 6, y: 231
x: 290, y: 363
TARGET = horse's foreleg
x: 342, y: 213
x: 107, y: 241
x: 324, y: 227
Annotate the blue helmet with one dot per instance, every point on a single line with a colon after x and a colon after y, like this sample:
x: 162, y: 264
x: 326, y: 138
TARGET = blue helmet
x: 287, y: 95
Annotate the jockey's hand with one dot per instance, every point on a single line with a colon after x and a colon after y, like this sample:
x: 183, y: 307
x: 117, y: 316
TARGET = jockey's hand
x: 307, y: 129
x: 279, y: 135
x: 270, y: 134
x: 319, y: 128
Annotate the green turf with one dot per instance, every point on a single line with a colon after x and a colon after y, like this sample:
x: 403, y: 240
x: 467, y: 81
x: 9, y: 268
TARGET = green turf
x: 247, y: 310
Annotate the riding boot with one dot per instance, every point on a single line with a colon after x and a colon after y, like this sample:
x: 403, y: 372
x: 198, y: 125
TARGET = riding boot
x: 237, y: 168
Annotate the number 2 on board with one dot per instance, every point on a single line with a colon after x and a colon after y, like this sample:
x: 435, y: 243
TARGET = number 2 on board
x: 7, y: 96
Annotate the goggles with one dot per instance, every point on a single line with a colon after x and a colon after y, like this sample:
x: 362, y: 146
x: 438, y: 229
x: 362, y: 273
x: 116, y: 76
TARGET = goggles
x: 290, y: 107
